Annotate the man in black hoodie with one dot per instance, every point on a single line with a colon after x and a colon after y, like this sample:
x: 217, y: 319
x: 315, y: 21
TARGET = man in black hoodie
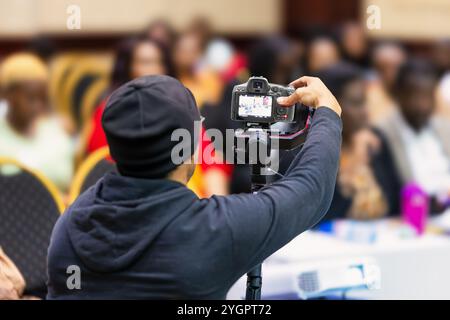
x: 141, y: 234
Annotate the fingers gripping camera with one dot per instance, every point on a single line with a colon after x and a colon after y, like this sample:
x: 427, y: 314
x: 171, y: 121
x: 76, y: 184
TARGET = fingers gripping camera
x: 256, y: 101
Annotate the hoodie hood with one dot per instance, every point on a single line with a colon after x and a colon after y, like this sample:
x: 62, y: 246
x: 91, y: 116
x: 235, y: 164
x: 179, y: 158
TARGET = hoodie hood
x: 114, y: 222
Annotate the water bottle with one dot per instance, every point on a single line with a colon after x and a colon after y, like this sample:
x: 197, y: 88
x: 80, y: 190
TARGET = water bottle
x: 415, y: 206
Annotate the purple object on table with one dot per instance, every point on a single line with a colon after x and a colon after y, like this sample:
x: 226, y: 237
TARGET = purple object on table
x: 415, y: 207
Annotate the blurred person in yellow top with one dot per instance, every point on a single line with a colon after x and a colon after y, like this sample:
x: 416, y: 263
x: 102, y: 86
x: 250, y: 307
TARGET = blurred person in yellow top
x: 28, y: 133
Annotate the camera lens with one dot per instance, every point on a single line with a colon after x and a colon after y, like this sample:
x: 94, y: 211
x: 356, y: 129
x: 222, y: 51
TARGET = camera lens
x: 257, y: 85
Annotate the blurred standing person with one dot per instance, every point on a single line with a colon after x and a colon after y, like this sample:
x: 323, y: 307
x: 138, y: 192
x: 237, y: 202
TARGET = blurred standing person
x: 204, y: 84
x: 202, y: 28
x: 367, y: 186
x: 273, y: 58
x: 298, y: 54
x: 355, y: 45
x: 28, y: 133
x: 323, y: 52
x: 387, y: 57
x: 161, y: 31
x: 418, y: 139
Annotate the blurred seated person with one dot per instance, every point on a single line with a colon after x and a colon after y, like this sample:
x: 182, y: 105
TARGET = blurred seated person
x: 417, y: 138
x: 367, y: 186
x: 387, y: 57
x: 28, y: 133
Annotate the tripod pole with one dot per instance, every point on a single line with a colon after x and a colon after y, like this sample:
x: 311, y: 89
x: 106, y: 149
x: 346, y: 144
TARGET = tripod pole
x: 254, y: 276
x: 254, y: 283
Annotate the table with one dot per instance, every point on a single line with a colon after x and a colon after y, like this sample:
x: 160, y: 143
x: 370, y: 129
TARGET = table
x: 411, y: 267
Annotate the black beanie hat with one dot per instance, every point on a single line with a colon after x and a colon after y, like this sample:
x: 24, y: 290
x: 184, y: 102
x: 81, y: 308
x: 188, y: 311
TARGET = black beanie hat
x: 139, y: 120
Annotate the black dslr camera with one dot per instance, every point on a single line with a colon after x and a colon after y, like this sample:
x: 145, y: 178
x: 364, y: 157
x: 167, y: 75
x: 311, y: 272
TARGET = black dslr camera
x: 256, y: 101
x: 255, y: 104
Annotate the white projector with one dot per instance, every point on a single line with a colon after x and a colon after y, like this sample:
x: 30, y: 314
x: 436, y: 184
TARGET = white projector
x: 320, y: 278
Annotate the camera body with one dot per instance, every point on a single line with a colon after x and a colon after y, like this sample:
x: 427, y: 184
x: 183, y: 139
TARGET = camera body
x: 256, y: 101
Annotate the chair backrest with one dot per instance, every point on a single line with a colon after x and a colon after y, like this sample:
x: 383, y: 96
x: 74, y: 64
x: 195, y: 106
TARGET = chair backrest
x: 92, y: 98
x: 61, y: 67
x: 94, y: 95
x: 88, y: 71
x: 77, y: 82
x: 29, y: 207
x: 90, y: 171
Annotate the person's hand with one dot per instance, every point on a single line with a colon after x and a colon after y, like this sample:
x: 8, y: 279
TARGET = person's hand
x: 311, y: 91
x: 365, y: 143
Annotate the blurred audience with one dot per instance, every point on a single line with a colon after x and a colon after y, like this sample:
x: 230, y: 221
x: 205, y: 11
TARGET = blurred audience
x: 28, y: 132
x: 375, y: 162
x: 396, y: 108
x: 416, y: 136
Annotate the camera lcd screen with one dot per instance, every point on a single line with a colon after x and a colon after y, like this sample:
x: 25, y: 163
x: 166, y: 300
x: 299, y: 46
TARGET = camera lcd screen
x: 255, y: 106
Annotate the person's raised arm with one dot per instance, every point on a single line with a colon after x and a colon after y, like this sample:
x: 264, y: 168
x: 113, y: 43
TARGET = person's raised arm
x: 262, y: 223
